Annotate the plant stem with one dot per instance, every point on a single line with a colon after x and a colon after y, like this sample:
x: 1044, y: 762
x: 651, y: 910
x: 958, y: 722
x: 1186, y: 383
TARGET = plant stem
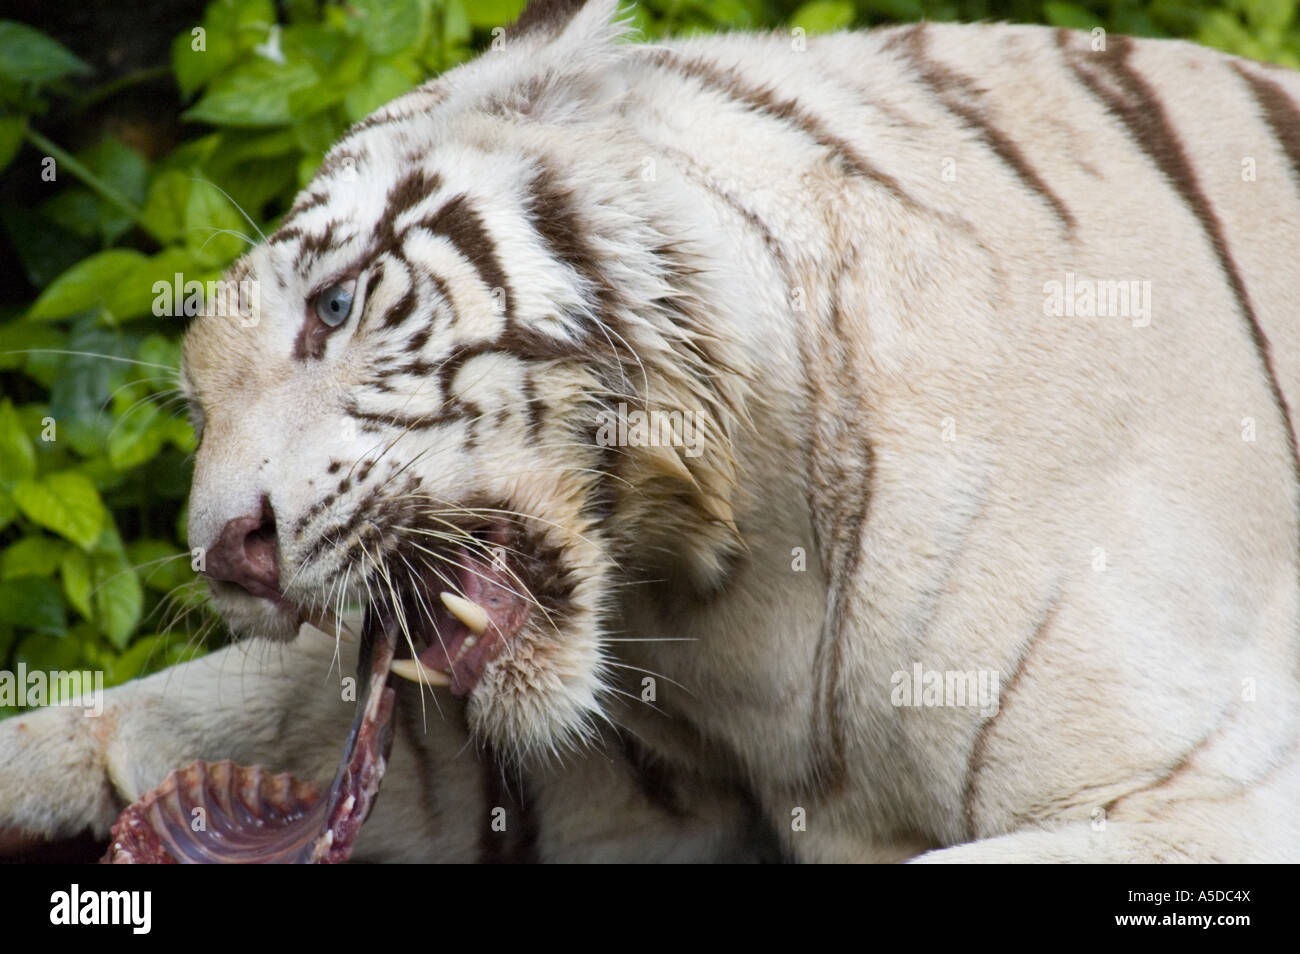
x: 96, y: 184
x: 109, y: 90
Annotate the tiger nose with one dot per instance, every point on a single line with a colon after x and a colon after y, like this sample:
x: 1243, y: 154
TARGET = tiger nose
x: 246, y: 554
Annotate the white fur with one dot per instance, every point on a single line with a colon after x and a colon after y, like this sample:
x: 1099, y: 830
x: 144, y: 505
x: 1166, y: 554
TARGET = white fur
x: 1149, y: 706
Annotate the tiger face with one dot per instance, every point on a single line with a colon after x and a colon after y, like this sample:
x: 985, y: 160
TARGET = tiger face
x: 407, y: 413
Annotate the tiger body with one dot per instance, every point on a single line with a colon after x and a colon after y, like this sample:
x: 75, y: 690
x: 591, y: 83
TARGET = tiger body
x: 838, y: 257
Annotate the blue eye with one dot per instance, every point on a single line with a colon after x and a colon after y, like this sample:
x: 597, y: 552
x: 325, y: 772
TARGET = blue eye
x: 334, y: 304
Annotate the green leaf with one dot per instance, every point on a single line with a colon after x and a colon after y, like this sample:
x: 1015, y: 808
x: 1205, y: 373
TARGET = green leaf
x: 76, y: 210
x: 78, y: 581
x: 32, y: 556
x: 29, y: 56
x: 209, y: 220
x: 1222, y: 30
x: 490, y: 13
x: 145, y: 655
x: 17, y: 454
x: 824, y: 16
x: 49, y: 653
x: 33, y: 604
x: 8, y: 509
x: 66, y: 503
x: 1265, y: 15
x: 160, y: 351
x: 194, y: 67
x: 391, y: 26
x: 86, y: 285
x: 137, y: 437
x: 315, y: 134
x: 132, y: 662
x: 253, y: 94
x: 118, y: 598
x: 181, y: 434
x: 900, y: 10
x: 456, y: 29
x: 11, y: 138
x: 19, y: 337
x: 80, y: 382
x: 137, y: 293
x: 44, y: 249
x: 1070, y: 15
x: 126, y: 171
x: 165, y: 204
x: 160, y: 564
x: 384, y: 83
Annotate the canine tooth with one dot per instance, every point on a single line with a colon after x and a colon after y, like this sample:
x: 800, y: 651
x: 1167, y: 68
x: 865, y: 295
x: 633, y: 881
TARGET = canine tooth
x: 418, y: 672
x: 471, y: 614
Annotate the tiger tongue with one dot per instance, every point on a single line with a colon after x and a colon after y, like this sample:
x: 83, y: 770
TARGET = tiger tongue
x: 472, y: 629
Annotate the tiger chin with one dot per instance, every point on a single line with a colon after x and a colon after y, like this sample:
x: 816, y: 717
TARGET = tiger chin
x: 705, y: 389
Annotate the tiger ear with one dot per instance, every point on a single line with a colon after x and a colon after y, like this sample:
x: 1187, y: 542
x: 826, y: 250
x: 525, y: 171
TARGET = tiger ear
x: 551, y: 18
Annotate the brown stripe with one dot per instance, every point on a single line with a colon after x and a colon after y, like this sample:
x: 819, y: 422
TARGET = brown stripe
x: 1280, y: 111
x: 382, y: 117
x: 459, y: 223
x: 401, y: 309
x: 980, y: 746
x: 532, y: 406
x: 453, y: 411
x: 374, y: 278
x: 1179, y: 766
x: 283, y: 235
x: 851, y: 506
x: 412, y: 188
x: 518, y: 843
x: 554, y: 216
x: 550, y: 16
x: 312, y: 246
x: 751, y: 218
x: 953, y: 90
x: 425, y: 771
x: 831, y: 764
x: 763, y: 99
x: 303, y: 205
x: 652, y: 776
x: 1134, y: 102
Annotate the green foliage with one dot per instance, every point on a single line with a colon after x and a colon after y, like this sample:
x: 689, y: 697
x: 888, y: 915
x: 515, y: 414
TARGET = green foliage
x: 94, y: 570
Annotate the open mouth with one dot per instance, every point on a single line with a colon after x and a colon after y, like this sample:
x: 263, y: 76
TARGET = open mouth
x: 459, y: 607
x: 439, y: 620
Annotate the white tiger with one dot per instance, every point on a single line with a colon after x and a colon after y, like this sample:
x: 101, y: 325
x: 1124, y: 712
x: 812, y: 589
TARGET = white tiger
x: 759, y: 395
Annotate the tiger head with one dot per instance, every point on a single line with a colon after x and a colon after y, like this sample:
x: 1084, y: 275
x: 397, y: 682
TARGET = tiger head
x: 477, y: 385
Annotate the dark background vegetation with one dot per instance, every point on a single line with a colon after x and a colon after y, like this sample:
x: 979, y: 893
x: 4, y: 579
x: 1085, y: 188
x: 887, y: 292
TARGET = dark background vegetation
x: 162, y: 155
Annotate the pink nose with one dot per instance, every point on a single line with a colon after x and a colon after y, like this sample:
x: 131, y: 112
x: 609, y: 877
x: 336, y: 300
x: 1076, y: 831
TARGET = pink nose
x: 245, y: 554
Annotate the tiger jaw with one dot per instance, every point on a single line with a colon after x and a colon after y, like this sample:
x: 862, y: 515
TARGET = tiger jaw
x: 454, y: 640
x: 458, y: 606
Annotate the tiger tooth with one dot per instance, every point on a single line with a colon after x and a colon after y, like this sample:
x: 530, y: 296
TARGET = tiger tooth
x: 469, y: 613
x: 418, y: 672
